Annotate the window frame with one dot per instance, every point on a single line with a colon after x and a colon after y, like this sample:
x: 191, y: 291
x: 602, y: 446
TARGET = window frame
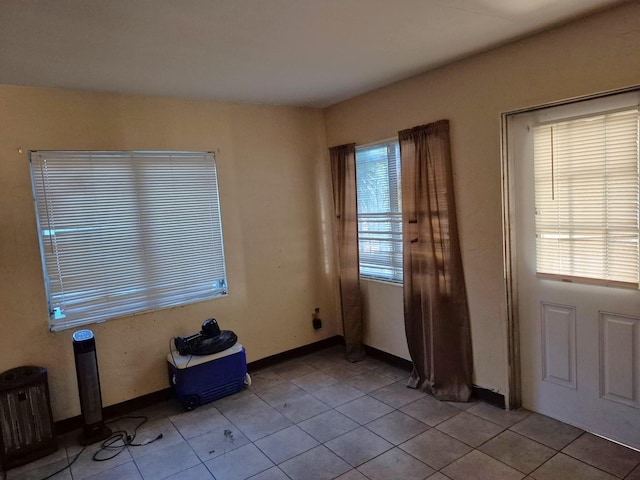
x: 165, y: 286
x: 394, y: 216
x: 583, y: 109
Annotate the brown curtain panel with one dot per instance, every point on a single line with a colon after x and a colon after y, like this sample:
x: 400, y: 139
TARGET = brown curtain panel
x: 343, y: 176
x: 435, y: 298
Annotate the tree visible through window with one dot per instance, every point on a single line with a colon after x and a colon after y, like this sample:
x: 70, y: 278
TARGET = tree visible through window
x: 379, y: 211
x: 127, y: 232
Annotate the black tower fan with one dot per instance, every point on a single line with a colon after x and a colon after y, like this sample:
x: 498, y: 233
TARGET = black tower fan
x: 84, y: 349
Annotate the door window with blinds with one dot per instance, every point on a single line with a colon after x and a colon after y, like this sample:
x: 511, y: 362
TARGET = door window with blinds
x: 126, y: 232
x: 379, y: 211
x: 586, y: 197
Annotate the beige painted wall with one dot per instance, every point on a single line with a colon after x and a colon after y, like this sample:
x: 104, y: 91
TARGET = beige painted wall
x: 273, y: 176
x: 274, y: 188
x: 384, y: 321
x: 586, y: 57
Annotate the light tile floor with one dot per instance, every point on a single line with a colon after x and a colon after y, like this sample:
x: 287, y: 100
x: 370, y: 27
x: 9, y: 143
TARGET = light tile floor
x: 321, y: 417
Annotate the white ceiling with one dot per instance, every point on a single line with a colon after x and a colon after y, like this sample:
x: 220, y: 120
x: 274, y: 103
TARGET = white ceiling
x: 293, y: 52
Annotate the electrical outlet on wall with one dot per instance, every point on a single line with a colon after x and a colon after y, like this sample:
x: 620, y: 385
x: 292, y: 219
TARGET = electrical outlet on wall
x: 317, y: 323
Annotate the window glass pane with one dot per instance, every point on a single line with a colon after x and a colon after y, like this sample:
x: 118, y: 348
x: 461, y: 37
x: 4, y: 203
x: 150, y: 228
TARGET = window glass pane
x: 379, y: 211
x: 127, y: 232
x: 586, y: 197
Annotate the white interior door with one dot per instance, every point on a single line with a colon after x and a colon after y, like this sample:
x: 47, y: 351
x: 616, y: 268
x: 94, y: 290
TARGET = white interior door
x: 579, y: 343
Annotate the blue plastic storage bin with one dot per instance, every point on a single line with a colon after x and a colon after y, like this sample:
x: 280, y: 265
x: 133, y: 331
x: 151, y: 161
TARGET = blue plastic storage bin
x: 197, y: 380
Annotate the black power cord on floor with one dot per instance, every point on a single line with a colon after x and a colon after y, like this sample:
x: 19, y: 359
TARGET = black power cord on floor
x: 51, y: 475
x: 118, y: 441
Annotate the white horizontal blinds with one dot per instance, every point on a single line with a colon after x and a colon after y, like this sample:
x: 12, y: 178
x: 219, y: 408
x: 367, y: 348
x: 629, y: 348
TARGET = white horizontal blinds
x: 379, y: 212
x: 586, y: 197
x: 127, y: 232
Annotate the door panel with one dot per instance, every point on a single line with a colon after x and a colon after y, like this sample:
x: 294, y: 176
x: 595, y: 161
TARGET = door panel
x: 558, y: 344
x: 579, y: 343
x: 620, y: 358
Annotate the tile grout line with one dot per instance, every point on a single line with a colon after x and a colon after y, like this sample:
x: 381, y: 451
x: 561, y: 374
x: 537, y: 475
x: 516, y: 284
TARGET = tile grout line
x: 397, y: 409
x: 590, y: 464
x: 369, y: 394
x: 359, y: 425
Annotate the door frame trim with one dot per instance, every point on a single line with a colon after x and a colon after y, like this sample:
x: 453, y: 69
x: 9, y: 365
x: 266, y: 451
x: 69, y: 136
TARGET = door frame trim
x: 509, y: 247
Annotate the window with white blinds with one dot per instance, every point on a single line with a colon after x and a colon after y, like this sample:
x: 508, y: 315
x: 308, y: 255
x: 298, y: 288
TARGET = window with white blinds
x: 586, y: 198
x: 126, y: 232
x: 379, y: 211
